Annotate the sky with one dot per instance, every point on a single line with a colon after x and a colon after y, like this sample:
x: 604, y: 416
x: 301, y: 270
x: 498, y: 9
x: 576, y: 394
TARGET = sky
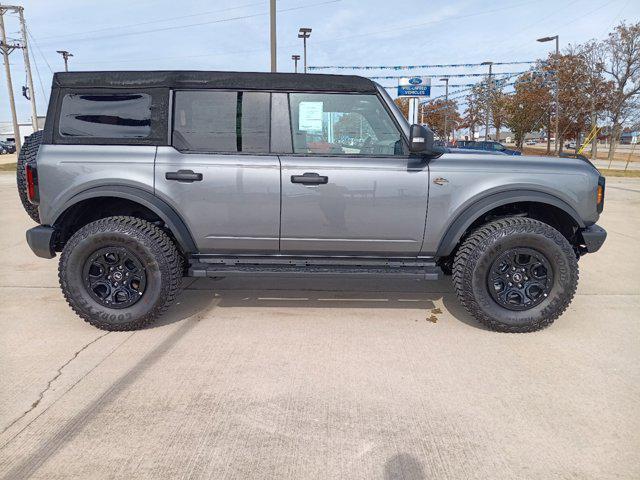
x: 234, y: 35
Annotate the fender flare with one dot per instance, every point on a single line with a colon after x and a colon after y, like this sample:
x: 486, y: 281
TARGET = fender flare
x: 457, y: 228
x: 168, y: 215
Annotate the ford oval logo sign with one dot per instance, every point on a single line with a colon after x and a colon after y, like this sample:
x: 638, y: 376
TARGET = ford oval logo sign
x: 415, y: 81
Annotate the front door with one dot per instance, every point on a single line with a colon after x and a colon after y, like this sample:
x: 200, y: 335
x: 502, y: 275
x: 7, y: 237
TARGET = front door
x: 350, y: 187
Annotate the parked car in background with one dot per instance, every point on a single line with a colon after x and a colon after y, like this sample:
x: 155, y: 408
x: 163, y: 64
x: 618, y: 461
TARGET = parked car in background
x: 486, y: 145
x: 530, y: 142
x: 571, y: 145
x: 6, y: 147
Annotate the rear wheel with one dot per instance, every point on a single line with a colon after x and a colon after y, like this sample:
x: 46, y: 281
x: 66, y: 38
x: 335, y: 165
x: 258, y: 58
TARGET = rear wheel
x: 120, y: 273
x: 27, y: 155
x: 515, y: 274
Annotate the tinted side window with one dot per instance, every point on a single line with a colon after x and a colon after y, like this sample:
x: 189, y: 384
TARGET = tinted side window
x: 335, y: 123
x: 121, y: 115
x: 209, y: 121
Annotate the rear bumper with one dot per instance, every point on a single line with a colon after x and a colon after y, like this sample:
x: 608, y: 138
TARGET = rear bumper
x: 40, y: 240
x: 593, y: 236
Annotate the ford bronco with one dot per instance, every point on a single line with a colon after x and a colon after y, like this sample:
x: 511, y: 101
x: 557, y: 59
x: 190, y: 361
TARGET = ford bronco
x: 141, y: 178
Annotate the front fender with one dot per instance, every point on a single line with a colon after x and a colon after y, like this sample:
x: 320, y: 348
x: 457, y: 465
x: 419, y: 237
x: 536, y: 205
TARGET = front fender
x: 461, y: 223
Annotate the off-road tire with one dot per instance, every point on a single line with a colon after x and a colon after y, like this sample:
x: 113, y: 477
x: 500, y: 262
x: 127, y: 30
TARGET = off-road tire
x: 151, y: 245
x: 475, y: 256
x: 27, y: 155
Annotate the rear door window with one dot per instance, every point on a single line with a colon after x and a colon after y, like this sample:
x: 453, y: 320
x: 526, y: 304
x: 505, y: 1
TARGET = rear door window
x: 221, y: 121
x: 118, y: 115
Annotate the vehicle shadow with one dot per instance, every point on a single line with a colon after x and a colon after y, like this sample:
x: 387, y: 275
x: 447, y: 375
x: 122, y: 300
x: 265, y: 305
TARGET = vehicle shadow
x: 315, y: 292
x: 403, y: 466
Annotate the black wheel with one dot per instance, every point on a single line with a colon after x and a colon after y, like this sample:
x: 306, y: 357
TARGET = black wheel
x: 515, y: 274
x: 120, y: 273
x: 27, y: 154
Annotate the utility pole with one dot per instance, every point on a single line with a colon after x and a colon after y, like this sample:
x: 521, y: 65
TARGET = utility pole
x: 272, y: 15
x: 304, y: 33
x: 557, y: 92
x: 446, y: 109
x: 66, y: 56
x: 6, y: 49
x: 295, y: 59
x: 27, y: 66
x: 488, y: 101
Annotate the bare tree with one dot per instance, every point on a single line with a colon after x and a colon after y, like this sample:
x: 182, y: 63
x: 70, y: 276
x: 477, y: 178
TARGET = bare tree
x: 620, y: 58
x: 473, y: 114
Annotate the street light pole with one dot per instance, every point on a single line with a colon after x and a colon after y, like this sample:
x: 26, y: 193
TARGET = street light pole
x: 272, y: 16
x: 295, y: 59
x: 65, y: 56
x: 446, y: 108
x: 557, y: 92
x: 488, y: 101
x: 304, y: 33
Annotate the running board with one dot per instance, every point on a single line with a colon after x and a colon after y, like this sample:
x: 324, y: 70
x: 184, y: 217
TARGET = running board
x: 226, y: 266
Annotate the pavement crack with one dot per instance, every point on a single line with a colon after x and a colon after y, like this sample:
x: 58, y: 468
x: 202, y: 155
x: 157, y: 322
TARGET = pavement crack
x: 50, y: 382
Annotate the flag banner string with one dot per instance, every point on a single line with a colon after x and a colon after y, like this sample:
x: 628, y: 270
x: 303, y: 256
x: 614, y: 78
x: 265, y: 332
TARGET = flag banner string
x: 443, y: 75
x: 412, y: 67
x: 463, y: 102
x: 498, y: 82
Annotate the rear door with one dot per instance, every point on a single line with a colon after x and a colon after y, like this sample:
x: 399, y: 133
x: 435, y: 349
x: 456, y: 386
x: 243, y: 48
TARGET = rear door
x: 218, y: 174
x: 350, y: 187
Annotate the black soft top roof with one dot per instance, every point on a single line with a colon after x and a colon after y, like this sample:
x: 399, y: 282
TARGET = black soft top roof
x: 201, y: 79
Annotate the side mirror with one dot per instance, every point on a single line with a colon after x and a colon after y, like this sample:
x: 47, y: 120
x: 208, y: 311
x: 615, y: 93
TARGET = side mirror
x: 421, y: 139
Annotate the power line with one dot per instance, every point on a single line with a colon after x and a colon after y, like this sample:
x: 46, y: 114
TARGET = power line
x: 39, y: 49
x: 416, y: 25
x: 150, y: 22
x: 211, y: 22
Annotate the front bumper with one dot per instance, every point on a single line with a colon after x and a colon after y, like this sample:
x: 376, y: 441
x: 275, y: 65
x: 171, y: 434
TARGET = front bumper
x: 593, y: 237
x: 40, y: 240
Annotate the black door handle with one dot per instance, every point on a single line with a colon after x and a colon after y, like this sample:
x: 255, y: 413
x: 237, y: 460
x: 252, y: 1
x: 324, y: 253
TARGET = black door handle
x: 184, y: 176
x: 309, y: 179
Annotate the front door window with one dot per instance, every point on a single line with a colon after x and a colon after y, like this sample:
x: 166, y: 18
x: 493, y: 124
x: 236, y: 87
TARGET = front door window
x: 342, y: 124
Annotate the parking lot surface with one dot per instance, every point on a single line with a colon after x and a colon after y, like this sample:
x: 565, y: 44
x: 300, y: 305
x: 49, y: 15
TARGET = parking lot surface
x: 322, y: 378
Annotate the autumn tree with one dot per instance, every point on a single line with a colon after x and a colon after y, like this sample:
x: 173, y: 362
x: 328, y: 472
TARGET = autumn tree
x: 435, y: 112
x: 403, y: 105
x: 498, y: 108
x: 472, y: 115
x: 527, y: 108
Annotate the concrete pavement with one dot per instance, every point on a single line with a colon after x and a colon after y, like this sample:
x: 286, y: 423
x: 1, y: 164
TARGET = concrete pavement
x: 322, y: 378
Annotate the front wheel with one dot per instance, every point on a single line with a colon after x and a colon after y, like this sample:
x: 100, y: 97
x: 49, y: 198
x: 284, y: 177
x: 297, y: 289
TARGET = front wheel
x: 515, y: 274
x: 120, y: 273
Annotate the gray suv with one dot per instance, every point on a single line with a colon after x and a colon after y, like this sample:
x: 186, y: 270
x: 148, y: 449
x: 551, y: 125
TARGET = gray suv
x: 141, y: 178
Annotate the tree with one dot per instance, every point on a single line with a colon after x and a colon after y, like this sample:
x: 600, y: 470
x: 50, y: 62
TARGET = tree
x: 473, y: 113
x: 498, y: 108
x: 596, y: 87
x: 403, y: 105
x: 434, y: 113
x: 528, y: 107
x: 620, y: 59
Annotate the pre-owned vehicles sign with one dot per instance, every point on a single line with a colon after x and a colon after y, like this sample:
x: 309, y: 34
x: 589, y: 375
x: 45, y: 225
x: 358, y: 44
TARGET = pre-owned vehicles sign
x: 414, y: 87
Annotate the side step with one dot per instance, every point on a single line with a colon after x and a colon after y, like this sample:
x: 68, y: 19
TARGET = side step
x: 424, y: 270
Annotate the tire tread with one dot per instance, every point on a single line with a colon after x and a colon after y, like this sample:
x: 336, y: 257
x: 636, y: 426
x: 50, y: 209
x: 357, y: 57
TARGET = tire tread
x: 143, y: 231
x: 475, y: 244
